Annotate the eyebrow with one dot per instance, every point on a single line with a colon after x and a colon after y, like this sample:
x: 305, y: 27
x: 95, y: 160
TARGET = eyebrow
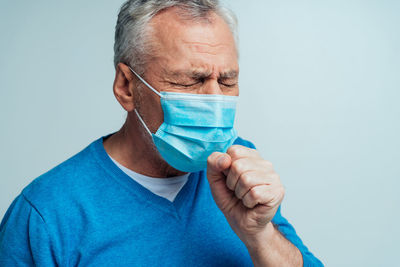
x: 229, y: 74
x: 197, y: 75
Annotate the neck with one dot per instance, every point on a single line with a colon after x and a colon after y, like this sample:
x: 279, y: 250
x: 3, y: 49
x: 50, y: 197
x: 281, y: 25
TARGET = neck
x: 133, y: 148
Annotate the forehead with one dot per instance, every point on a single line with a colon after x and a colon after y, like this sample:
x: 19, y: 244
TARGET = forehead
x: 197, y: 44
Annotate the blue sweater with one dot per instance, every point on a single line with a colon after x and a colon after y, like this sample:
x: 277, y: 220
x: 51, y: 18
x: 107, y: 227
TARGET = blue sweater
x: 88, y: 212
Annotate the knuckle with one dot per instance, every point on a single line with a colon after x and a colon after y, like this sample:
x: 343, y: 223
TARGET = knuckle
x: 275, y: 176
x: 234, y: 151
x: 245, y: 179
x: 237, y: 166
x: 268, y: 164
x: 255, y: 152
x: 255, y: 194
x: 278, y: 195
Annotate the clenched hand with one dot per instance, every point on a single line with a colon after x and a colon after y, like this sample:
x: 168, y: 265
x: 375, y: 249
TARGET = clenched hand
x: 246, y: 189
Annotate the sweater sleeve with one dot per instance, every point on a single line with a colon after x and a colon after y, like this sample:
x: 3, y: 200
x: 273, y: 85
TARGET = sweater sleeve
x: 287, y: 230
x: 24, y: 238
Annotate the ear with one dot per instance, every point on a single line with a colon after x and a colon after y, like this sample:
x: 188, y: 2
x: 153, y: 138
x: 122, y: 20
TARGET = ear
x: 124, y: 84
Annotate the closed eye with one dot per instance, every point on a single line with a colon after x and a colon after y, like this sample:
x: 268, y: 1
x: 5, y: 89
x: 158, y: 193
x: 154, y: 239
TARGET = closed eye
x: 184, y: 85
x: 228, y: 84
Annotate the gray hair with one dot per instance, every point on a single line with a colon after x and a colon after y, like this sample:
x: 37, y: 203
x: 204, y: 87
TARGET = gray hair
x: 131, y: 31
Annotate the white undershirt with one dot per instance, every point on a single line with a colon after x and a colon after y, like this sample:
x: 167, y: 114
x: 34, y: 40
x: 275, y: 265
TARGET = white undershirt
x: 163, y: 187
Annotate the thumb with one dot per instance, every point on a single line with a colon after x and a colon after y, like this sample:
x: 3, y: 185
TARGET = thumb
x: 217, y: 163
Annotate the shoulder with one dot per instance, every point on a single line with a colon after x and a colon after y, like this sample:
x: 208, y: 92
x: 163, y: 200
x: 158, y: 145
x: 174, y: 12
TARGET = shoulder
x: 55, y: 187
x: 243, y: 142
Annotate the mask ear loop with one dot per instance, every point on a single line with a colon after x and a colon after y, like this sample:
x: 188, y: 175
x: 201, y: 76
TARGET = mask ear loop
x: 141, y: 120
x: 143, y: 81
x: 152, y: 89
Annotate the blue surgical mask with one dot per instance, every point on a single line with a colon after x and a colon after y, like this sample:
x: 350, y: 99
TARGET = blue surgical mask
x: 195, y: 126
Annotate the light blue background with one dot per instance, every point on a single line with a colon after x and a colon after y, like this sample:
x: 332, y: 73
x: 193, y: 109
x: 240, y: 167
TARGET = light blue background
x: 320, y: 85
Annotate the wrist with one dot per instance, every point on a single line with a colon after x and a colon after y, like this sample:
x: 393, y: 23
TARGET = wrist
x: 261, y: 240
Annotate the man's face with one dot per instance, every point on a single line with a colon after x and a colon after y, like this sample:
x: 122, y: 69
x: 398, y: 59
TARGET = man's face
x: 187, y: 57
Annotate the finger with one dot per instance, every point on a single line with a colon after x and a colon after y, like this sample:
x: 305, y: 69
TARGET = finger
x: 265, y: 195
x: 238, y: 151
x: 240, y: 166
x: 257, y: 195
x: 217, y: 162
x: 251, y: 179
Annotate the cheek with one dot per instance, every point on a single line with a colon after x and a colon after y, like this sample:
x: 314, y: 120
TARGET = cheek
x: 157, y: 116
x: 150, y: 108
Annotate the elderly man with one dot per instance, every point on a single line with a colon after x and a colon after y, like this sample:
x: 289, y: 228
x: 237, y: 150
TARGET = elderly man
x: 174, y: 186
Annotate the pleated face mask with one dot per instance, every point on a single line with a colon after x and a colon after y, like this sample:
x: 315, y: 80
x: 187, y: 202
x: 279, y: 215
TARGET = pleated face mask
x: 195, y: 126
